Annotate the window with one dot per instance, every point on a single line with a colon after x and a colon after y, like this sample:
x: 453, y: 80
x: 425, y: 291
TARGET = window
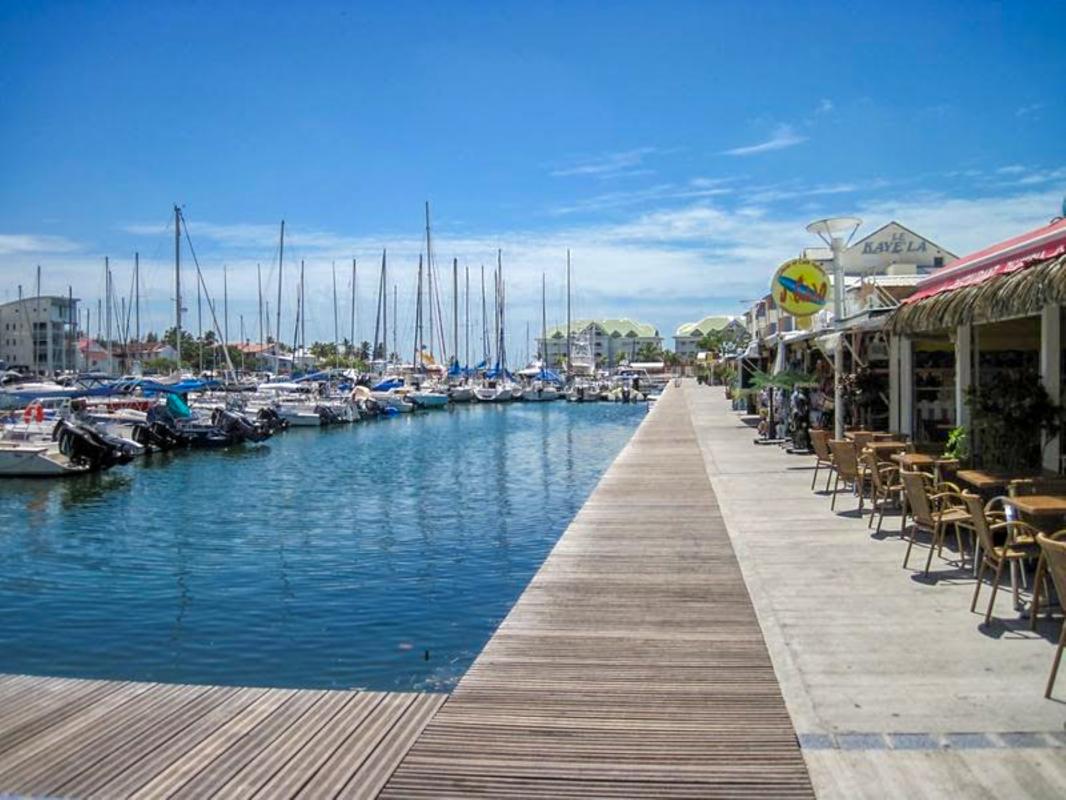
x: 938, y: 262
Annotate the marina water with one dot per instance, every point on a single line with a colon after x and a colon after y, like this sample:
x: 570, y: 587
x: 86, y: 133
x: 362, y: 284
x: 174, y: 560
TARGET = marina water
x: 380, y: 556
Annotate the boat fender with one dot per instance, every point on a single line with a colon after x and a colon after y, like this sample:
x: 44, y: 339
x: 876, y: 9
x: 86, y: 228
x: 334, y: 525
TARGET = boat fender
x: 34, y: 411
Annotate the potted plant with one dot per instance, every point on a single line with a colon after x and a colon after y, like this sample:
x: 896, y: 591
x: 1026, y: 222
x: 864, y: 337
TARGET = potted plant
x: 1011, y: 416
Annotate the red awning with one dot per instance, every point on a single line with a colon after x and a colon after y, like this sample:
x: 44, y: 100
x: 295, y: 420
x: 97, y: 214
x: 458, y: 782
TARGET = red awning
x: 1003, y: 258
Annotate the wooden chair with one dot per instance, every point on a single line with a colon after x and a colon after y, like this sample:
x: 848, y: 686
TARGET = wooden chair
x: 1040, y: 578
x: 846, y: 467
x: 1054, y: 552
x: 861, y: 439
x: 932, y: 513
x: 884, y: 487
x: 820, y: 444
x: 995, y: 556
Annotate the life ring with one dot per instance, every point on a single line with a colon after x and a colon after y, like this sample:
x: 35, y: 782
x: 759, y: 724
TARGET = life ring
x: 34, y: 411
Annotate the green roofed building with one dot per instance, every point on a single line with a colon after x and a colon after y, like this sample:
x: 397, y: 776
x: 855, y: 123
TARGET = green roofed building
x: 610, y: 341
x: 687, y: 336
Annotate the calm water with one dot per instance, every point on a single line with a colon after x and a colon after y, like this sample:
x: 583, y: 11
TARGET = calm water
x: 379, y: 555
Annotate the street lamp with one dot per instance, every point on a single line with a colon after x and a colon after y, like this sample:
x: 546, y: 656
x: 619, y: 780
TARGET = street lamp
x: 836, y: 232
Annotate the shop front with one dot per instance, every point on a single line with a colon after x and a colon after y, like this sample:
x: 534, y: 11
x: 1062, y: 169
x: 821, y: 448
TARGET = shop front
x: 983, y: 333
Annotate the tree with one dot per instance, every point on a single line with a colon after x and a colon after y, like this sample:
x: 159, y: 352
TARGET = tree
x: 649, y: 352
x: 364, y: 351
x: 729, y: 340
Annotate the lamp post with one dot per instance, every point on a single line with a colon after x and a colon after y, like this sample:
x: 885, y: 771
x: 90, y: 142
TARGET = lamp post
x: 833, y: 231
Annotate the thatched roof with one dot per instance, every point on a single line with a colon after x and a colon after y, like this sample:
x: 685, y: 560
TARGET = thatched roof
x: 1015, y: 294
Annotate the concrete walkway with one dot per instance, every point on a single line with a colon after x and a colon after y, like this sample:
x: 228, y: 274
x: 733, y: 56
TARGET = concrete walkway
x: 894, y: 687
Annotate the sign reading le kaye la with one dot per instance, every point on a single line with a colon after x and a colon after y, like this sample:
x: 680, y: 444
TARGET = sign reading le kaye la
x: 800, y: 287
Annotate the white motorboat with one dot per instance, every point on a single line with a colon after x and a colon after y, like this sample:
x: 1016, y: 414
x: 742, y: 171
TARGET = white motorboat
x: 461, y: 394
x: 35, y: 459
x: 540, y: 392
x: 493, y: 393
x: 428, y: 398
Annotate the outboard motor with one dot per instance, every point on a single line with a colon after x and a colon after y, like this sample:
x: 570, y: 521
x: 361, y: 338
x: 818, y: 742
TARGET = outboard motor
x: 87, y: 447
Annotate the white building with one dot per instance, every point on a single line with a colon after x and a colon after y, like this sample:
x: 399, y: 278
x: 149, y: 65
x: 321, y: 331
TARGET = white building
x: 687, y: 337
x: 39, y: 334
x: 610, y: 340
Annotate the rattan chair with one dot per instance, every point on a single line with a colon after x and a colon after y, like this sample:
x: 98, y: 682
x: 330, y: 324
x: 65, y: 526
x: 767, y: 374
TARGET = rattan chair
x: 884, y: 487
x: 824, y: 458
x: 1040, y: 578
x: 846, y: 468
x: 1054, y: 552
x: 932, y: 513
x: 1017, y: 547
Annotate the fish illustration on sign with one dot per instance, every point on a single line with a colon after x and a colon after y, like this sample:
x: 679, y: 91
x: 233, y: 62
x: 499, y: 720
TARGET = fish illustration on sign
x: 800, y: 287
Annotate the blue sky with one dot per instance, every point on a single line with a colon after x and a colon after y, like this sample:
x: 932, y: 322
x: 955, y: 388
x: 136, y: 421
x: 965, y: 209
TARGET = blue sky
x: 676, y: 148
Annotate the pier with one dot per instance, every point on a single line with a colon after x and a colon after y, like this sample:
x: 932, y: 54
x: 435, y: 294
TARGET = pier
x: 632, y: 666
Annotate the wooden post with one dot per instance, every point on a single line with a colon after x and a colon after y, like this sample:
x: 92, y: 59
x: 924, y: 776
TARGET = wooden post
x: 964, y: 356
x: 1051, y: 373
x: 906, y: 386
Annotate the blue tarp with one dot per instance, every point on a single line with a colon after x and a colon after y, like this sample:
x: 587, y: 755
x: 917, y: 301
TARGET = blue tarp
x: 177, y: 407
x: 548, y: 375
x: 386, y: 385
x: 498, y: 372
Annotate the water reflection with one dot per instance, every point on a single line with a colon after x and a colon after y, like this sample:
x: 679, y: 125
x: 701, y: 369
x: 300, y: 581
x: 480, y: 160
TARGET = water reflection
x: 332, y: 558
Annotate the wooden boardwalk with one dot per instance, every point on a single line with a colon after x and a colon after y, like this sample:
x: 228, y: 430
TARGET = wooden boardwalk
x: 110, y: 739
x: 632, y: 666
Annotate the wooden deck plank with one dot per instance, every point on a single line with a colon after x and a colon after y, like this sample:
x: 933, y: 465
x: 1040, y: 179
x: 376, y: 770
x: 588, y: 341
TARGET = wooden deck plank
x: 186, y: 767
x: 228, y: 764
x: 632, y: 665
x: 353, y: 752
x: 109, y: 783
x: 375, y: 771
x: 322, y: 746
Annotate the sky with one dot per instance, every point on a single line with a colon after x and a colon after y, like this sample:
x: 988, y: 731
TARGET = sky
x: 676, y: 149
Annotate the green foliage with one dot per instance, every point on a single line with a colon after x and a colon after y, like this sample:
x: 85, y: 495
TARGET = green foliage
x: 648, y: 352
x: 1009, y: 414
x: 957, y: 445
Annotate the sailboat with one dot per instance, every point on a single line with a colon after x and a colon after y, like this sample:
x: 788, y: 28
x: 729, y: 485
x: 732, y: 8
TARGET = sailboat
x: 459, y: 390
x: 498, y: 386
x: 544, y: 386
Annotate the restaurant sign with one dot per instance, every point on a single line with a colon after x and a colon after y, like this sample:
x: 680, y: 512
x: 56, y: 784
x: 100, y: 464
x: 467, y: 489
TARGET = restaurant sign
x: 800, y: 287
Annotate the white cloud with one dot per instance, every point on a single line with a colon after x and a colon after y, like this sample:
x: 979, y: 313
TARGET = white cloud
x: 825, y: 105
x: 1028, y: 110
x: 28, y: 244
x: 1011, y: 169
x: 784, y: 136
x: 610, y: 165
x: 665, y: 265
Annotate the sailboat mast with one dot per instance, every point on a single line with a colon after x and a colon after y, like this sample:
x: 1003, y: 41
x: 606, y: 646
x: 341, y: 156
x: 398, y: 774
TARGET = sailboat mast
x: 466, y: 320
x: 429, y: 279
x: 259, y: 285
x: 484, y: 320
x: 395, y: 337
x: 277, y: 310
x: 177, y: 283
x: 137, y: 294
x: 502, y: 349
x: 543, y: 322
x: 385, y: 312
x: 352, y: 317
x: 336, y: 322
x: 303, y: 311
x: 200, y: 326
x: 455, y: 308
x: 418, y: 318
x: 225, y: 306
x: 107, y: 310
x: 568, y: 365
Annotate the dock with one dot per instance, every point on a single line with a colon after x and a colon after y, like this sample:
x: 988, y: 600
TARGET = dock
x: 632, y: 666
x: 88, y: 738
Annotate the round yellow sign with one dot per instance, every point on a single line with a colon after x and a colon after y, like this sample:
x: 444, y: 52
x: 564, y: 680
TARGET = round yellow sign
x: 800, y: 287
